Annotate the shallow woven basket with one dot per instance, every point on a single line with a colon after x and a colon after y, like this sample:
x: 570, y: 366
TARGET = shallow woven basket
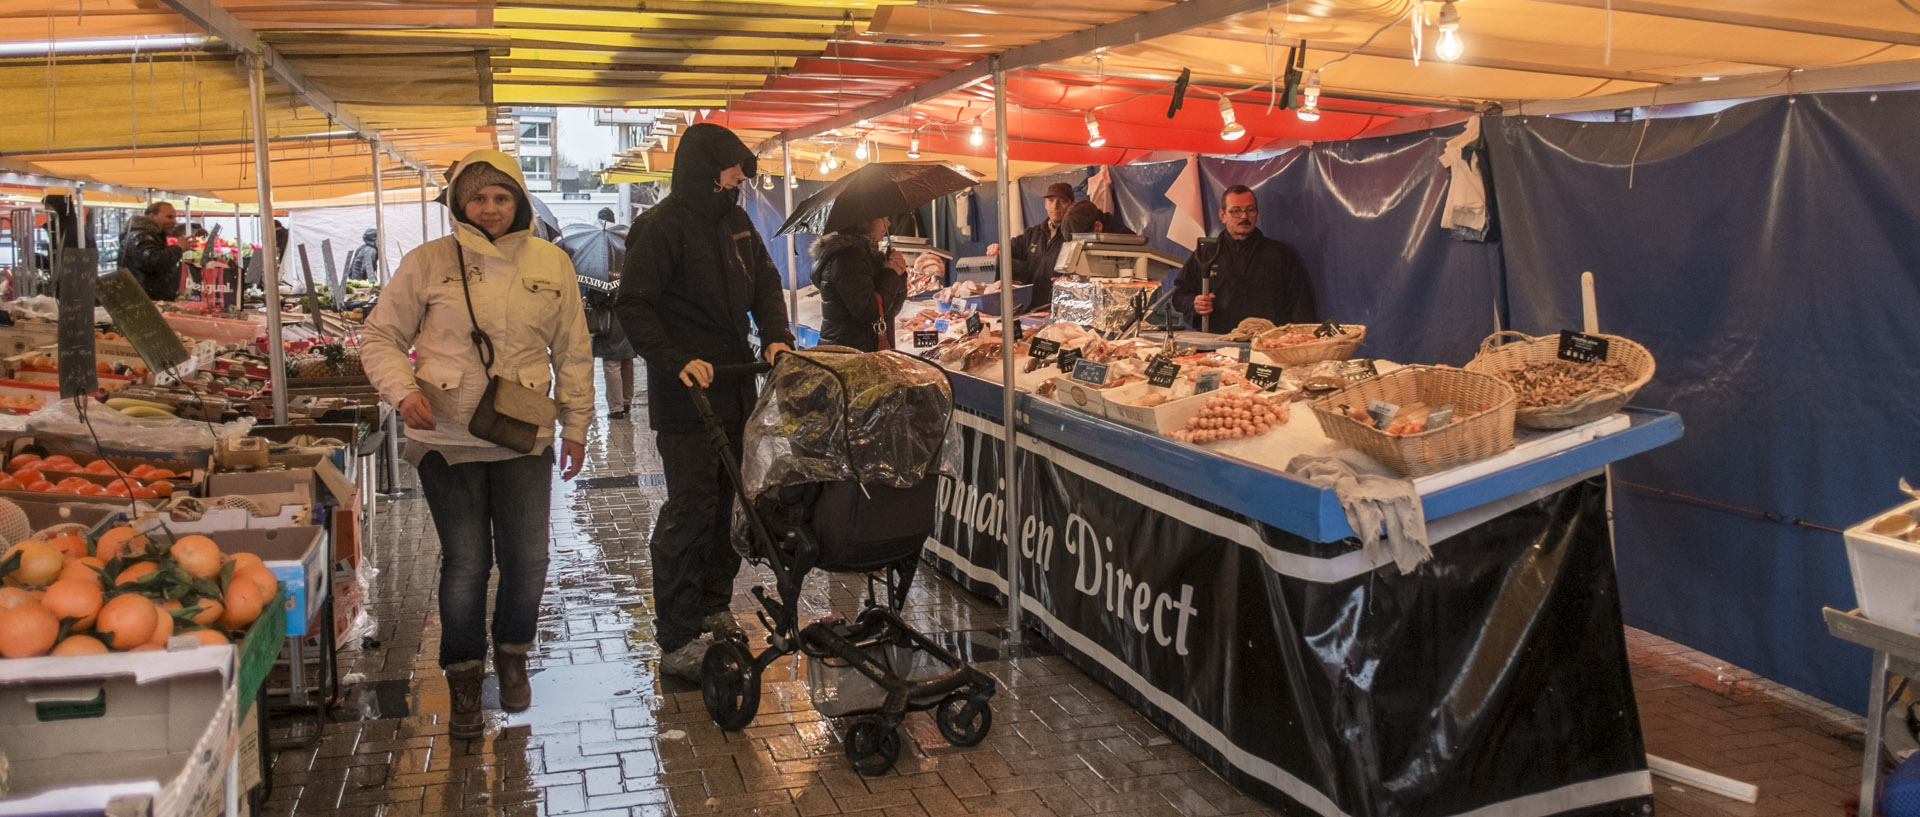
x: 1487, y: 432
x: 1338, y: 347
x: 1593, y: 405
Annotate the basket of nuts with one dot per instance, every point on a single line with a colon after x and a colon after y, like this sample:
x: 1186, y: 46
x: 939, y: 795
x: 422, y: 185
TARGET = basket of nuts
x: 1556, y: 393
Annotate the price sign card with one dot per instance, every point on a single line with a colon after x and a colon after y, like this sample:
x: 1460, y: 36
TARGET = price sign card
x: 1440, y: 416
x: 1581, y: 347
x: 926, y: 340
x: 1090, y: 373
x: 1068, y: 359
x: 973, y: 323
x: 1328, y: 329
x: 1043, y: 348
x: 1019, y: 332
x: 1382, y: 412
x: 1358, y: 370
x: 1208, y: 381
x: 1162, y: 372
x: 1264, y: 376
x: 942, y: 325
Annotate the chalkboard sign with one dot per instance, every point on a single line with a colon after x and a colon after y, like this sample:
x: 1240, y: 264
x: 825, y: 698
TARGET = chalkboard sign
x: 1068, y: 358
x: 1089, y: 372
x: 973, y: 323
x: 73, y: 276
x: 1361, y: 369
x: 1043, y: 348
x: 1328, y: 329
x: 1162, y: 372
x: 1264, y: 376
x: 135, y: 316
x: 926, y: 340
x: 1580, y: 347
x: 1019, y: 333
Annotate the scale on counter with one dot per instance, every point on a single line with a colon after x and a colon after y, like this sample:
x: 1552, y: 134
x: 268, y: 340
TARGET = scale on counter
x: 1104, y: 255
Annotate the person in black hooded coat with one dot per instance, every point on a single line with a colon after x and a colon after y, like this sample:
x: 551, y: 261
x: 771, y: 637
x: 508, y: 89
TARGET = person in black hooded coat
x: 696, y: 270
x: 861, y: 291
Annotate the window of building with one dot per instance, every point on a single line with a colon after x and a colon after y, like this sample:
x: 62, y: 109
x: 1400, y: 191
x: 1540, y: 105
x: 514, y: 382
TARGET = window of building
x: 536, y: 133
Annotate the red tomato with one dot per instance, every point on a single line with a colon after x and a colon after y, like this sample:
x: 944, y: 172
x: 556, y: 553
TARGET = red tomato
x: 22, y: 461
x: 99, y: 467
x: 40, y: 485
x: 72, y: 482
x: 161, y: 487
x: 9, y: 484
x: 63, y: 489
x: 143, y: 492
x: 140, y: 471
x: 117, y: 487
x: 160, y: 473
x: 91, y: 489
x: 26, y: 476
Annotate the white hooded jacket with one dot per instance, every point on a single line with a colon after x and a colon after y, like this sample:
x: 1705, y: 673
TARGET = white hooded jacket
x: 525, y: 299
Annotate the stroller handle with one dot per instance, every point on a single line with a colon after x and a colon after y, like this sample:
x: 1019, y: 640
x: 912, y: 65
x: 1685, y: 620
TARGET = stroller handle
x: 728, y: 371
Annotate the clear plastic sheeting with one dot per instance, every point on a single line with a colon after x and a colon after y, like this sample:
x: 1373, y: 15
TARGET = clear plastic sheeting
x: 838, y: 689
x: 169, y: 438
x: 881, y: 419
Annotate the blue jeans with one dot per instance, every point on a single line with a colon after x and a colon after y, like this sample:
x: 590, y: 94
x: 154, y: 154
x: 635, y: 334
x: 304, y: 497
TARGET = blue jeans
x: 488, y: 512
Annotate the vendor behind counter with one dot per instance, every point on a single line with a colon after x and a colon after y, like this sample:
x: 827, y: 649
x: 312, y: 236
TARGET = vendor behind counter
x: 1251, y: 275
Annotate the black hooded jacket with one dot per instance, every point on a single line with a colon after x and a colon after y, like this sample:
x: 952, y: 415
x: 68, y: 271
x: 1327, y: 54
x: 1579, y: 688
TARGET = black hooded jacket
x: 155, y: 264
x: 696, y: 269
x: 857, y: 289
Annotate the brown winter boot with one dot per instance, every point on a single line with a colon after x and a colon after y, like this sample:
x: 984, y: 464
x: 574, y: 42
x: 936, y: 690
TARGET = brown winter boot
x: 510, y: 663
x: 463, y: 682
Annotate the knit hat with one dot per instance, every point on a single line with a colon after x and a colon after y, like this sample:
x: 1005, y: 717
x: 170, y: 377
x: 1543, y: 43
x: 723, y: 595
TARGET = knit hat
x: 478, y: 175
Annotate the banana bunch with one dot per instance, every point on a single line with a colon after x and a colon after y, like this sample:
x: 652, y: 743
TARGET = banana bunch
x: 140, y: 408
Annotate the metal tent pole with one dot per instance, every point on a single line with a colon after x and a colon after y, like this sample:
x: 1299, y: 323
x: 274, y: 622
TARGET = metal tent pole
x: 269, y: 265
x: 380, y: 211
x: 1009, y: 316
x: 425, y: 185
x: 793, y: 249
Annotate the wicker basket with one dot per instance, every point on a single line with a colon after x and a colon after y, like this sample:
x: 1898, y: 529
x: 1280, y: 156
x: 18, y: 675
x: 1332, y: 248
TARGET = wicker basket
x: 1338, y: 347
x: 1527, y: 349
x: 1487, y: 432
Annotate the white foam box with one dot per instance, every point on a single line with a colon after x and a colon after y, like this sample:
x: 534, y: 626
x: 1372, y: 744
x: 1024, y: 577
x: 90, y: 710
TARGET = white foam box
x: 1162, y: 419
x: 1077, y: 395
x: 1886, y: 571
x: 148, y: 733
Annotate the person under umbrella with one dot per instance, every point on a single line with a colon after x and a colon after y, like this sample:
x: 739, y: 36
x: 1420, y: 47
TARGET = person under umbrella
x: 599, y: 252
x: 861, y: 289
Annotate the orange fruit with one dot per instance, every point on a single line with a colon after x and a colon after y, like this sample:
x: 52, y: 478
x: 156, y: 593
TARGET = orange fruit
x: 262, y: 579
x: 210, y: 638
x: 162, y: 625
x: 27, y: 630
x: 127, y: 621
x: 160, y: 473
x: 73, y: 546
x: 134, y: 573
x: 85, y: 567
x: 72, y: 482
x: 11, y: 597
x: 91, y: 489
x: 39, y: 486
x: 40, y: 563
x: 210, y: 611
x: 244, y: 559
x: 8, y: 483
x: 148, y: 648
x: 119, y: 487
x: 119, y: 541
x: 197, y: 555
x: 160, y: 487
x: 80, y: 645
x: 77, y: 599
x: 140, y: 471
x: 104, y: 367
x: 99, y: 467
x: 27, y: 476
x: 20, y: 461
x: 57, y: 461
x: 243, y: 606
x: 143, y: 492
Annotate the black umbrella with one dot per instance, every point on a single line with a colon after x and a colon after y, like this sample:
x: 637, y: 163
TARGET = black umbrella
x: 545, y: 224
x: 596, y: 253
x: 877, y: 190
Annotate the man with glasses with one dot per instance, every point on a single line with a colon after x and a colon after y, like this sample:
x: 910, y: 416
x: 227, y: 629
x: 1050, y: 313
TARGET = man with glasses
x: 1246, y: 275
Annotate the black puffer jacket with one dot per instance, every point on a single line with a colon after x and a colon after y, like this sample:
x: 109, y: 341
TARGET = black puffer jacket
x: 696, y: 269
x: 857, y: 290
x: 145, y: 253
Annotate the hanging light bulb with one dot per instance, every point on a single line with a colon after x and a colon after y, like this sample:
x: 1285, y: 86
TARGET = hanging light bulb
x: 913, y: 145
x: 1310, y: 99
x: 766, y: 181
x: 978, y: 137
x: 860, y: 150
x: 1094, y: 139
x: 833, y: 162
x: 1229, y: 128
x: 1450, y: 47
x: 793, y: 181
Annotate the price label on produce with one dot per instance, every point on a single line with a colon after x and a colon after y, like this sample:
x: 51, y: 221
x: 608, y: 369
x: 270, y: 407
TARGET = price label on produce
x: 1264, y: 376
x: 1089, y: 372
x: 1162, y: 372
x: 942, y: 325
x: 1019, y: 332
x: 1382, y: 412
x: 1043, y: 348
x: 1440, y: 416
x: 1362, y: 369
x: 1208, y: 381
x: 1328, y: 329
x: 926, y: 340
x: 973, y: 323
x: 1068, y: 358
x: 1581, y: 347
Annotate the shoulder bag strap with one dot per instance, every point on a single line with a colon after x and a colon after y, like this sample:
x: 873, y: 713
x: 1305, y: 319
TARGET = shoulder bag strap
x: 480, y: 340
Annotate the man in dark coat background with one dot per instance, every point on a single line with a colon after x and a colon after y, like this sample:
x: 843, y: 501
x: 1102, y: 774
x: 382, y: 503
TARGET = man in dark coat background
x: 1252, y: 276
x: 144, y: 251
x: 365, y: 259
x: 696, y: 271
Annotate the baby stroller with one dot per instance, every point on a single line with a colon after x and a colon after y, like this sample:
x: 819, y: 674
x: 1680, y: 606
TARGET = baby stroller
x: 842, y: 456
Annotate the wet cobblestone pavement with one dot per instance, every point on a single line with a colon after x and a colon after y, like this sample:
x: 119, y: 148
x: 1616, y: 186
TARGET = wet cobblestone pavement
x: 607, y: 736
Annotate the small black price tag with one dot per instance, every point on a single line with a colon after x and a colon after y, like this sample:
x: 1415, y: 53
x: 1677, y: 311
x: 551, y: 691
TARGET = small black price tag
x: 1328, y: 329
x: 926, y: 340
x: 1264, y: 376
x: 1043, y: 348
x: 1580, y: 347
x: 1090, y: 373
x: 6, y: 318
x: 1019, y: 332
x: 973, y: 323
x: 1361, y: 369
x: 1068, y: 357
x: 1162, y: 372
x: 1208, y: 380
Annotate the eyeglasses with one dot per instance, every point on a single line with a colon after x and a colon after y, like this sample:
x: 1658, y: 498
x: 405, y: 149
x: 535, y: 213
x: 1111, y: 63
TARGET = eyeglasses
x: 1241, y: 211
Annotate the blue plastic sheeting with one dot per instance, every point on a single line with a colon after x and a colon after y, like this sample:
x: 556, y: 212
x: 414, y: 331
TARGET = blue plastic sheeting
x: 768, y: 210
x: 1140, y: 194
x: 1768, y: 257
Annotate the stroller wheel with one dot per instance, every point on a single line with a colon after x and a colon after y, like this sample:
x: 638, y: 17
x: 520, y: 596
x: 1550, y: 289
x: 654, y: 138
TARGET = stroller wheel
x: 730, y: 685
x: 960, y: 726
x: 872, y: 746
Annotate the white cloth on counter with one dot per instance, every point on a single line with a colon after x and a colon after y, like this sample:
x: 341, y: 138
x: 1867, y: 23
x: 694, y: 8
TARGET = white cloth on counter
x: 1383, y: 510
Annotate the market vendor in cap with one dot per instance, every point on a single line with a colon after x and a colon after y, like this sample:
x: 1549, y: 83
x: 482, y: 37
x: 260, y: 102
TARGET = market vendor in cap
x: 1036, y: 250
x: 1248, y: 274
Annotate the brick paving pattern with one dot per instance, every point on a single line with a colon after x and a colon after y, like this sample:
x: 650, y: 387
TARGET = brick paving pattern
x: 606, y: 736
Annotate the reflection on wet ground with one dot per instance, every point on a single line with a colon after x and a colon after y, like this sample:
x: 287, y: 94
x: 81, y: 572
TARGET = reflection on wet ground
x: 607, y: 736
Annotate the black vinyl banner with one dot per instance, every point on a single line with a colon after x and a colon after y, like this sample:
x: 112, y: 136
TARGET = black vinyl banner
x: 1492, y: 680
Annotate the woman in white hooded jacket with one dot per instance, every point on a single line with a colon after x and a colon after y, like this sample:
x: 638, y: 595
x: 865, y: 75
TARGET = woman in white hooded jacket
x: 489, y: 503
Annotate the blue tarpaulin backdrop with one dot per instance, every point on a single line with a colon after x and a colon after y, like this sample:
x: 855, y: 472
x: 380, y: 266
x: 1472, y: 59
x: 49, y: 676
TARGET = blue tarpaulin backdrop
x: 1767, y: 255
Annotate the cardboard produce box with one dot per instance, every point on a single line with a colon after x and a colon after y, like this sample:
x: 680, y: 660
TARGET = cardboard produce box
x: 298, y: 558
